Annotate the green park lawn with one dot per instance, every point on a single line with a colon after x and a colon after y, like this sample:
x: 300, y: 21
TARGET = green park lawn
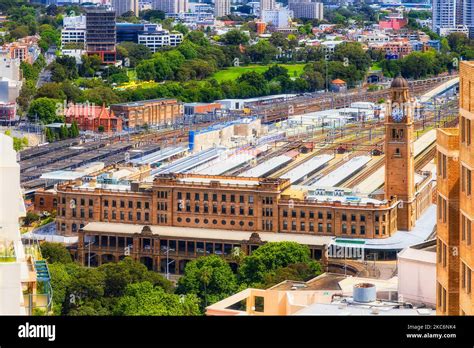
x: 234, y: 72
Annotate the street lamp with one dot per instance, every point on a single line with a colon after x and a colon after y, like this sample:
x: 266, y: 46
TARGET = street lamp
x: 168, y: 263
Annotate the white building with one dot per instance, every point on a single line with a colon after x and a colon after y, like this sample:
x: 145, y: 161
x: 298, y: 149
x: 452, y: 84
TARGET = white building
x: 10, y: 68
x: 267, y: 5
x: 221, y: 8
x: 280, y: 18
x: 461, y: 28
x: 306, y: 9
x: 75, y: 53
x: 417, y: 274
x: 9, y: 90
x: 74, y: 30
x: 330, y: 46
x: 14, y: 271
x: 163, y: 38
x: 123, y: 6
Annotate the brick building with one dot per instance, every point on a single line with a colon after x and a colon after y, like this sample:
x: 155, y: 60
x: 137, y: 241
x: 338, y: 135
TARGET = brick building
x: 150, y: 219
x: 92, y: 118
x: 151, y: 112
x: 455, y: 255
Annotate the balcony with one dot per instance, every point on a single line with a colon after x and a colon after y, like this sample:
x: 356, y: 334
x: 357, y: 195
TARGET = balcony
x: 7, y: 252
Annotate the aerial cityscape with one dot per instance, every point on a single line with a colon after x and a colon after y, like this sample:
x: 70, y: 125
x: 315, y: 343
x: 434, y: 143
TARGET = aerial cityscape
x: 236, y: 158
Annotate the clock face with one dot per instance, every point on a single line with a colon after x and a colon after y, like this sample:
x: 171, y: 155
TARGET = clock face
x: 397, y: 114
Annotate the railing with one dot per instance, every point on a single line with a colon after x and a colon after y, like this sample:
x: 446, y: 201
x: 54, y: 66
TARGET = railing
x: 34, y: 250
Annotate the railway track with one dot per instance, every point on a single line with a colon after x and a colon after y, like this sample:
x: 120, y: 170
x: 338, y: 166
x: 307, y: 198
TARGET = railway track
x: 300, y: 106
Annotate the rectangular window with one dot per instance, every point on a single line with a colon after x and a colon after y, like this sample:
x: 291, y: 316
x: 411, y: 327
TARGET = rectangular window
x: 468, y: 231
x: 445, y: 166
x: 445, y: 251
x: 468, y: 132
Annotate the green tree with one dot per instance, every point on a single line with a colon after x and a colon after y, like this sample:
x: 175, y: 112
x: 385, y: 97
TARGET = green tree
x: 30, y: 218
x: 210, y: 278
x: 60, y: 280
x: 52, y: 90
x: 90, y: 64
x: 235, y: 37
x: 74, y: 130
x: 44, y: 108
x: 275, y: 71
x: 352, y: 53
x: 49, y: 136
x: 55, y: 252
x: 119, y: 275
x: 64, y: 132
x: 146, y: 70
x: 267, y: 259
x: 145, y: 299
x: 181, y: 28
x: 101, y: 95
x: 152, y: 15
x: 263, y: 51
x: 135, y: 52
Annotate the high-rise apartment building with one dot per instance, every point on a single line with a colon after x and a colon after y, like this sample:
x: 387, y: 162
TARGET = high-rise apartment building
x: 267, y: 5
x: 444, y: 14
x: 455, y: 161
x: 123, y: 6
x: 221, y: 8
x: 306, y: 9
x: 170, y: 6
x: 101, y: 34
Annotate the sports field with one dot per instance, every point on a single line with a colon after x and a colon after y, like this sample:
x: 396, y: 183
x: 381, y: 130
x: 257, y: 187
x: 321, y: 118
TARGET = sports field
x: 234, y: 72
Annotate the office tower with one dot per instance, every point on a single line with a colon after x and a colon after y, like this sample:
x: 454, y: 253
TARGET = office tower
x: 101, y: 34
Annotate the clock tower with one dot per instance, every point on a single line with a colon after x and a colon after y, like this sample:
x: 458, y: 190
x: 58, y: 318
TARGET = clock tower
x: 399, y: 153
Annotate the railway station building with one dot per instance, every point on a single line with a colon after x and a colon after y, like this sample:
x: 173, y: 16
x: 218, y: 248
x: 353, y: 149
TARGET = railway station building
x: 185, y: 215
